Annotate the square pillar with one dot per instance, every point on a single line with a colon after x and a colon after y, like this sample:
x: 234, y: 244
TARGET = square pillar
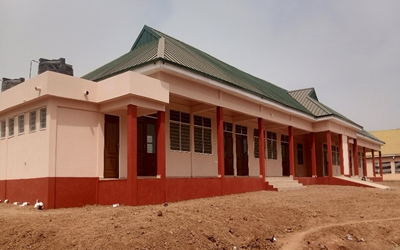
x: 365, y: 162
x: 132, y: 155
x: 161, y: 158
x: 355, y: 157
x: 291, y: 151
x: 373, y: 162
x: 313, y: 156
x: 380, y: 164
x: 329, y: 146
x: 341, y: 159
x: 261, y: 152
x: 220, y: 142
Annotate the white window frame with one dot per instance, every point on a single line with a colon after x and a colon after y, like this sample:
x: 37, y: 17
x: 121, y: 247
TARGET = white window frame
x: 21, y: 129
x: 206, y: 145
x: 272, y: 145
x: 181, y: 124
x: 11, y: 128
x: 3, y: 130
x: 42, y: 125
x: 32, y: 129
x: 257, y: 145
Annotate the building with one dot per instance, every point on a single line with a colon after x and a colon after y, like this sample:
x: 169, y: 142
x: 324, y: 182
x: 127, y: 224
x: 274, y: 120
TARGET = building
x: 390, y: 155
x: 168, y: 122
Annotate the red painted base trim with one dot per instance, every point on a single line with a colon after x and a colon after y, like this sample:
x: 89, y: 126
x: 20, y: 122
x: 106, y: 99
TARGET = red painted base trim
x: 312, y: 180
x: 2, y: 190
x: 236, y: 185
x: 26, y: 190
x: 112, y: 192
x: 74, y: 192
x: 179, y: 189
x: 376, y: 179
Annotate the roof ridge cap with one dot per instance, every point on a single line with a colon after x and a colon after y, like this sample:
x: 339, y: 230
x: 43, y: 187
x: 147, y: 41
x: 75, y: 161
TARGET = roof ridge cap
x: 161, y: 47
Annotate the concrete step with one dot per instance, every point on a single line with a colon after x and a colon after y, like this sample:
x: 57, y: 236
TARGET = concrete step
x: 284, y: 183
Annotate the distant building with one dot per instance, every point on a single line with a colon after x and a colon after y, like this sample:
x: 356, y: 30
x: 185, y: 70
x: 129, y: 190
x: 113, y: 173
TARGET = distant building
x: 390, y: 154
x: 168, y: 122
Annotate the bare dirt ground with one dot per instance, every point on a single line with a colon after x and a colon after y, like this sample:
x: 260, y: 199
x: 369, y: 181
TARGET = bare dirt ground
x: 317, y: 217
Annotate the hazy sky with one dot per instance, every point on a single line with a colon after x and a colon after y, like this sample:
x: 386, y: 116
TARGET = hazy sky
x: 349, y: 51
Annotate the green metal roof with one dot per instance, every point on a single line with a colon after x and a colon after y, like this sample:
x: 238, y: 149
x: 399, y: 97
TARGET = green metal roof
x: 365, y: 133
x: 308, y: 98
x: 145, y: 51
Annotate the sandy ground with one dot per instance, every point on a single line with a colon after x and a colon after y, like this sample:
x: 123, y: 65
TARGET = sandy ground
x: 317, y: 217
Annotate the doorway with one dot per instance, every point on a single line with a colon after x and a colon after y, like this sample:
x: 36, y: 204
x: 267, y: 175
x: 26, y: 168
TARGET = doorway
x: 147, y: 146
x: 242, y: 157
x: 325, y: 160
x: 111, y: 146
x: 285, y: 158
x: 228, y: 148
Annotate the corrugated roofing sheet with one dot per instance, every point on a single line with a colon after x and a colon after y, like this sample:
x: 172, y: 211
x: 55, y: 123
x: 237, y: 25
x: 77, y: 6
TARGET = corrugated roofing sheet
x: 365, y: 133
x: 186, y: 56
x: 308, y: 98
x: 140, y: 56
x: 144, y: 51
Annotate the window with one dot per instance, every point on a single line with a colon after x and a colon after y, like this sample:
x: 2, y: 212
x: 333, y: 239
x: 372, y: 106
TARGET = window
x: 397, y: 167
x: 32, y: 121
x: 11, y: 126
x: 334, y: 156
x: 43, y: 113
x: 300, y: 159
x: 360, y: 160
x: 241, y: 130
x: 285, y: 138
x: 3, y: 128
x: 202, y: 135
x: 272, y: 146
x: 386, y: 167
x: 228, y: 127
x: 256, y: 144
x: 21, y: 124
x: 179, y: 131
x: 337, y: 156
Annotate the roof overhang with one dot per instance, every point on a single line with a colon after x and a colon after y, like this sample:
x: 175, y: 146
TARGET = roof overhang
x: 182, y: 72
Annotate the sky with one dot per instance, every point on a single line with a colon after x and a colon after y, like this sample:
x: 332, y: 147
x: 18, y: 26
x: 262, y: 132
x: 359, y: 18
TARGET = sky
x: 349, y: 51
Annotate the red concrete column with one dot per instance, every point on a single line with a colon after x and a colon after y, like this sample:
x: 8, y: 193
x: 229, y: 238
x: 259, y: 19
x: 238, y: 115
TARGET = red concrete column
x: 313, y: 156
x: 373, y: 162
x: 132, y: 155
x: 365, y: 162
x: 220, y: 149
x: 291, y: 151
x: 341, y: 154
x: 220, y: 141
x: 329, y: 145
x: 380, y: 163
x: 161, y: 159
x: 355, y: 157
x: 261, y: 147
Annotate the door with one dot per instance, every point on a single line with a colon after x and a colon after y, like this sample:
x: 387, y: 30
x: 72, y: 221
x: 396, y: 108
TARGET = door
x: 147, y: 146
x: 242, y: 157
x: 228, y: 153
x: 350, y: 163
x: 285, y: 159
x: 325, y: 160
x: 111, y: 146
